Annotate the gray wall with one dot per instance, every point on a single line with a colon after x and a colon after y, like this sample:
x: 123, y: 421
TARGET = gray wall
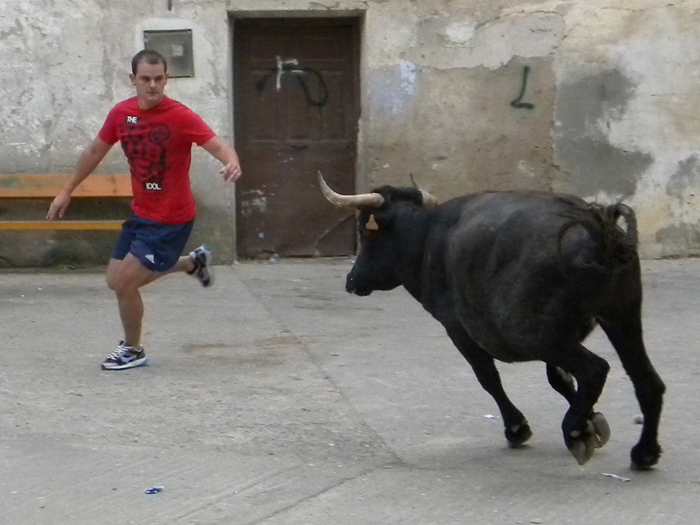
x: 613, y: 87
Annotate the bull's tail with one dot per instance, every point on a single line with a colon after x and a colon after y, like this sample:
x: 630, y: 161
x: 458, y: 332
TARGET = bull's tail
x: 605, y: 246
x: 622, y: 210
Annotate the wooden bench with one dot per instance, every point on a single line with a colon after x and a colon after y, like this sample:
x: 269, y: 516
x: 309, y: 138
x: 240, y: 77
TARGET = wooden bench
x: 47, y: 186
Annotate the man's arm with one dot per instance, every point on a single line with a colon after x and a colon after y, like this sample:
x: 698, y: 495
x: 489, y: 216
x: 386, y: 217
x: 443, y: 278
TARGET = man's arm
x: 88, y: 161
x: 225, y: 154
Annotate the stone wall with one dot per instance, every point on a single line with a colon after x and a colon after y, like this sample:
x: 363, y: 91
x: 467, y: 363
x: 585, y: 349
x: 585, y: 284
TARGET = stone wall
x: 609, y: 107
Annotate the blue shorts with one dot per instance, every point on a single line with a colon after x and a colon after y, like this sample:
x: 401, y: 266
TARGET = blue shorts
x: 158, y: 246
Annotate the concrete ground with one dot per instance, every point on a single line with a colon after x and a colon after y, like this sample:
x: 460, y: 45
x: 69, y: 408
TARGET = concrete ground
x: 276, y: 398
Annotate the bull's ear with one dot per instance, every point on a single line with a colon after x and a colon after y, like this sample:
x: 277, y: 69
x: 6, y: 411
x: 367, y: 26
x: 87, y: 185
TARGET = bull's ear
x: 371, y: 223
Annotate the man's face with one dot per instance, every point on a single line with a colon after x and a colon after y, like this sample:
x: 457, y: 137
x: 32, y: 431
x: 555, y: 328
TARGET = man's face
x: 149, y: 81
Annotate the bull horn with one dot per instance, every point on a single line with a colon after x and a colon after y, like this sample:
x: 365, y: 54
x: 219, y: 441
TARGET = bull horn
x: 428, y: 199
x: 361, y: 200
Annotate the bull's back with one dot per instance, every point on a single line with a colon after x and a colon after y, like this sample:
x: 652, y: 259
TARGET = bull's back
x: 513, y: 286
x: 501, y: 228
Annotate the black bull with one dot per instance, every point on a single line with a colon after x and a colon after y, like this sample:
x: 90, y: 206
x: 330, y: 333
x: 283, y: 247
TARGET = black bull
x: 519, y: 276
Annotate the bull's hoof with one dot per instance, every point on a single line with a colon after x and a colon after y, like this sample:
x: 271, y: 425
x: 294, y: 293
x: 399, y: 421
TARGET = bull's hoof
x: 583, y: 444
x: 601, y: 427
x: 518, y: 434
x: 643, y: 458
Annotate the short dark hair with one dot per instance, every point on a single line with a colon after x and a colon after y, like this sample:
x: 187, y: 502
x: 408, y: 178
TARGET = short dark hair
x: 150, y: 56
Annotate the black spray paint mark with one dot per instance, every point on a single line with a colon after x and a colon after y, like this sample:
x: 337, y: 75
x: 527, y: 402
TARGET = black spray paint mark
x: 303, y: 74
x: 517, y: 102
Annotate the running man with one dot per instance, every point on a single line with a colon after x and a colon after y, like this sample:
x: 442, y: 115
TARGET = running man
x: 156, y: 134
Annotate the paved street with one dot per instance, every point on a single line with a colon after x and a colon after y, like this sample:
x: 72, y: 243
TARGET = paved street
x: 276, y: 398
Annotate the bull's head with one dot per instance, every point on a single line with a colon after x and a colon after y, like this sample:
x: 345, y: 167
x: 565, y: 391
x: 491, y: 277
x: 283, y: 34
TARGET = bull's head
x: 388, y: 228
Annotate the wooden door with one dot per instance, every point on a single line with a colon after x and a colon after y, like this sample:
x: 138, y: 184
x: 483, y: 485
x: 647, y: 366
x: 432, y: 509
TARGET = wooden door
x: 296, y: 106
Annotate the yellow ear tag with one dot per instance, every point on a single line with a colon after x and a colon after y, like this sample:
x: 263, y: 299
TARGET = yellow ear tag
x: 371, y: 224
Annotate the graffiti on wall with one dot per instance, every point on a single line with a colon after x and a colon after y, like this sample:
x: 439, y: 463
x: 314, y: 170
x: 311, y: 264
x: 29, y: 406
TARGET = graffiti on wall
x: 310, y: 80
x: 518, y: 102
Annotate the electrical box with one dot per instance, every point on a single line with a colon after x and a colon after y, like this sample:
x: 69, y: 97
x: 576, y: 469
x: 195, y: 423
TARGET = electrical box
x: 176, y: 47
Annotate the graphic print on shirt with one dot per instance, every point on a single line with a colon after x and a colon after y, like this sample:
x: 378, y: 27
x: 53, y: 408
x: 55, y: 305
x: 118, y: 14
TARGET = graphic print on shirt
x: 144, y: 145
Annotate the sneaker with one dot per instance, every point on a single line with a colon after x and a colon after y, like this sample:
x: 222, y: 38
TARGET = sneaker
x: 125, y: 357
x: 201, y: 257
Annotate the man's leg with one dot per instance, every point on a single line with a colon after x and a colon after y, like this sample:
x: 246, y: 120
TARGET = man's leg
x: 183, y: 264
x: 142, y: 249
x: 125, y: 277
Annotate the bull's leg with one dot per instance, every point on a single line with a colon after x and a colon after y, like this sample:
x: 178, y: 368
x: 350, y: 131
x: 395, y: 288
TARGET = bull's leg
x: 580, y: 433
x: 625, y: 334
x: 563, y: 382
x: 517, y: 429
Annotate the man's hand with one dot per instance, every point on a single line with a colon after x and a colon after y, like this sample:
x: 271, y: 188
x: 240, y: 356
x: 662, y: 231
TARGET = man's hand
x: 91, y: 156
x: 59, y: 206
x: 231, y: 172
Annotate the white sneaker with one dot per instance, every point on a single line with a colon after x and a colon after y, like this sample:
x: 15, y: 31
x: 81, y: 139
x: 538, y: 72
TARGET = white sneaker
x: 201, y: 257
x: 125, y: 357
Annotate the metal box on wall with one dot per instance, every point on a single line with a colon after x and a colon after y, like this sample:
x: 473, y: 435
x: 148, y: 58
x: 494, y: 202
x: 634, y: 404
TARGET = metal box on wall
x: 176, y: 47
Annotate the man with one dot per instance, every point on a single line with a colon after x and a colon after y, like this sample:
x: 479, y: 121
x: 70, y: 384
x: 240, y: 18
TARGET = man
x: 156, y: 134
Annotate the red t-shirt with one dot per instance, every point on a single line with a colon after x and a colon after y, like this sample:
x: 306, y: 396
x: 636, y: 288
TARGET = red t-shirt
x: 158, y: 145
